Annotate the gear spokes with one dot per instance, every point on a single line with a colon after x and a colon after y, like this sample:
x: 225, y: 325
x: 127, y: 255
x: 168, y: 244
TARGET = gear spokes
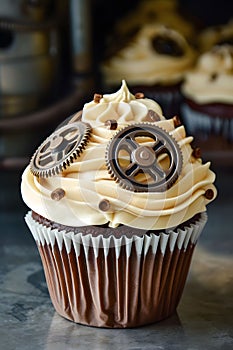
x: 144, y: 157
x: 60, y: 149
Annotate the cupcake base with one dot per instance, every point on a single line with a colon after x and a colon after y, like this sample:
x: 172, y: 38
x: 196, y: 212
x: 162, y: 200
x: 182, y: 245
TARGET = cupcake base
x: 213, y: 121
x: 116, y: 283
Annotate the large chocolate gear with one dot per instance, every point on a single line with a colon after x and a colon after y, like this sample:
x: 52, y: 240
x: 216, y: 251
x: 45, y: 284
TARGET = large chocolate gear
x: 143, y: 159
x: 60, y: 149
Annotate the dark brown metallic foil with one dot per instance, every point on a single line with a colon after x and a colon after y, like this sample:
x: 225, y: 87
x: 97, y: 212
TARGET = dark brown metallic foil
x: 108, y: 292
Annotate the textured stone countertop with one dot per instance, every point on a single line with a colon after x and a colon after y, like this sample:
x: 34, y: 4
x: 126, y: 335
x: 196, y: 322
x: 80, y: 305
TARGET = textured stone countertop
x: 204, y: 318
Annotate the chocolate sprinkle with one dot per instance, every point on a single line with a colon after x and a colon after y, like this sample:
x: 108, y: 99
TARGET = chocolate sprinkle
x: 139, y: 95
x: 111, y: 124
x: 97, y: 98
x: 197, y: 152
x: 153, y: 116
x: 104, y: 205
x: 176, y: 121
x: 209, y: 194
x: 58, y: 194
x: 213, y: 76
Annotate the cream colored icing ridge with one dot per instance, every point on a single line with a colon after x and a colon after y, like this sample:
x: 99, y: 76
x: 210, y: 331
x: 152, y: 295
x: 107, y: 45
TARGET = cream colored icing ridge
x: 139, y: 63
x: 87, y: 181
x: 212, y: 78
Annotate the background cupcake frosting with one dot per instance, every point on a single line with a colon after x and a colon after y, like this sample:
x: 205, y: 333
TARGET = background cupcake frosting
x: 215, y: 35
x: 87, y: 180
x: 211, y: 80
x: 165, y: 12
x: 144, y: 61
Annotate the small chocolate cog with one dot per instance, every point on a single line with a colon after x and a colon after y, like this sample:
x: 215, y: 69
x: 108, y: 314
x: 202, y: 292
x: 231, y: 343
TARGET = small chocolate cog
x: 60, y: 149
x: 143, y: 157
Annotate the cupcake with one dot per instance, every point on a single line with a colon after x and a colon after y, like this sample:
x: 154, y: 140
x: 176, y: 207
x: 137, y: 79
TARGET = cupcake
x: 117, y: 202
x: 215, y: 35
x: 207, y: 111
x: 154, y: 62
x: 165, y: 12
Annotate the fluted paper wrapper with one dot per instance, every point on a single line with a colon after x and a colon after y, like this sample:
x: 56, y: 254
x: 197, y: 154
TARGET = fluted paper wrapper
x: 203, y: 125
x: 112, y: 282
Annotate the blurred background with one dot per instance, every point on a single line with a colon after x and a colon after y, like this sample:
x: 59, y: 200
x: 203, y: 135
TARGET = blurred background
x: 50, y: 53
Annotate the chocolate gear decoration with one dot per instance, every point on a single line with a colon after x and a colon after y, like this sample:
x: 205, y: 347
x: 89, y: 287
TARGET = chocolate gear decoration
x: 60, y: 149
x: 143, y: 159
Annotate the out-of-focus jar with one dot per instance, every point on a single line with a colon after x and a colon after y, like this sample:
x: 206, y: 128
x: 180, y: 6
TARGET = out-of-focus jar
x: 30, y: 61
x: 29, y: 55
x: 26, y: 10
x: 29, y: 66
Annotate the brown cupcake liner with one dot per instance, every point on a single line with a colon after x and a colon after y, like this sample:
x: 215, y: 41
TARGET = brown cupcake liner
x: 204, y: 125
x: 132, y: 283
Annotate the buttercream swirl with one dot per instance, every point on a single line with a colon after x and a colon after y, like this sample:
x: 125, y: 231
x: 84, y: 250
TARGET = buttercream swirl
x: 140, y: 63
x: 212, y: 78
x: 86, y: 181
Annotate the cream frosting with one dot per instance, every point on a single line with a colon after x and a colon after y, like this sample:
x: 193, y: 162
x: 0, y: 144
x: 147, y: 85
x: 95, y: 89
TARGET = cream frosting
x: 165, y: 12
x: 212, y: 78
x: 213, y: 35
x: 140, y: 63
x: 87, y: 181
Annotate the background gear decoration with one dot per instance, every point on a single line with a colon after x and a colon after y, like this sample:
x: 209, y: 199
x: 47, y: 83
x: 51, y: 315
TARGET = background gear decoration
x: 60, y: 149
x: 144, y: 158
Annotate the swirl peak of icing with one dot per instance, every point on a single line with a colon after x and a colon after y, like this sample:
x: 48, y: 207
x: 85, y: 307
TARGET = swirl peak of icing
x: 122, y: 95
x: 122, y: 106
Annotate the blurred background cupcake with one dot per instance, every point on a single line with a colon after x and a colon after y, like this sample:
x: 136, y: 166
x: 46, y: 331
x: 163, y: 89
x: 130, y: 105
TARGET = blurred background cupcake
x: 153, y: 61
x: 207, y: 110
x: 166, y: 12
x: 215, y: 35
